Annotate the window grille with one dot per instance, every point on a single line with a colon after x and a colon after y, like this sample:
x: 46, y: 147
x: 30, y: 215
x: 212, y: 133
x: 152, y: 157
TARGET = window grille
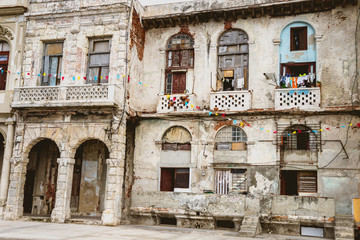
x: 299, y: 137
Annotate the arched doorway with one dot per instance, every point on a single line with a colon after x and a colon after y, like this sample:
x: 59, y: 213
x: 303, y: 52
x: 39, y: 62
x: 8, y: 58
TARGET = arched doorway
x: 89, y: 179
x: 41, y: 178
x: 2, y: 147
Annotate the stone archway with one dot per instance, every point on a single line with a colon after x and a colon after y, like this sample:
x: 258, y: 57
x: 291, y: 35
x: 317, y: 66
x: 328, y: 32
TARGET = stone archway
x: 89, y: 179
x: 41, y: 178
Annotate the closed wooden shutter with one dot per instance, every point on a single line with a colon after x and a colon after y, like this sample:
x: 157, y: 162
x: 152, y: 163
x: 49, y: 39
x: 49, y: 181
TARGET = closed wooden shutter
x: 307, y: 182
x: 179, y: 83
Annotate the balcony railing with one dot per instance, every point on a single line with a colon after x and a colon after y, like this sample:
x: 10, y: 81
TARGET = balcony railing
x: 176, y: 103
x: 59, y: 96
x: 230, y: 101
x: 301, y: 98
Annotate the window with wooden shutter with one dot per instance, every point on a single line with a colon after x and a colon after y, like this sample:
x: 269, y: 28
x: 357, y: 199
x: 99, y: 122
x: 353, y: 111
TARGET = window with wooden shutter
x: 180, y: 57
x: 172, y: 178
x: 230, y: 181
x: 52, y: 62
x: 4, y: 60
x: 307, y: 182
x: 298, y: 38
x: 99, y: 61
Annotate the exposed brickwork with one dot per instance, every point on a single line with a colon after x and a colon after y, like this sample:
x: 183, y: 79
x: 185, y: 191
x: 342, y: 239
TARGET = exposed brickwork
x: 185, y: 29
x: 229, y: 24
x: 137, y: 35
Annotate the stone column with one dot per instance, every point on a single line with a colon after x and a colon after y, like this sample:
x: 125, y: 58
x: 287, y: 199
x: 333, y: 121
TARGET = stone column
x: 5, y: 171
x: 14, y: 205
x: 113, y: 192
x: 61, y: 211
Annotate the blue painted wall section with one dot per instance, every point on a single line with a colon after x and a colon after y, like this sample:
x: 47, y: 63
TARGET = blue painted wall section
x: 308, y: 55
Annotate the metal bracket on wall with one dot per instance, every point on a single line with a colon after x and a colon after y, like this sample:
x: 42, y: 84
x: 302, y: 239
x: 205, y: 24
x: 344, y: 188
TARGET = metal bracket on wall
x: 342, y: 145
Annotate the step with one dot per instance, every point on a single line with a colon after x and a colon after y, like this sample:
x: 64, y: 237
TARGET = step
x: 247, y: 233
x: 252, y: 229
x: 344, y: 229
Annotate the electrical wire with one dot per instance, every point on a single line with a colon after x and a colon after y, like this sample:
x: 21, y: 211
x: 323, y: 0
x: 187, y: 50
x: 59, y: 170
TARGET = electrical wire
x: 352, y: 89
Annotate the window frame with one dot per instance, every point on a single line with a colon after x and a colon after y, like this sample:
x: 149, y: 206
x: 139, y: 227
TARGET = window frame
x: 290, y: 143
x: 304, y: 41
x: 241, y: 134
x: 48, y: 59
x: 229, y: 183
x: 91, y: 52
x: 174, y: 172
x: 170, y: 70
x: 221, y: 69
x: 299, y: 183
x: 5, y: 63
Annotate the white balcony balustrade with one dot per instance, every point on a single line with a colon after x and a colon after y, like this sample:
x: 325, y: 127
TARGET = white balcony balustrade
x: 60, y: 96
x: 176, y: 103
x: 300, y: 98
x: 230, y: 101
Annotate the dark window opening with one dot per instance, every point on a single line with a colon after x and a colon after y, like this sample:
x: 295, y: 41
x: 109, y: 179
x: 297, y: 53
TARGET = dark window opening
x: 228, y: 224
x: 298, y: 36
x: 172, y: 178
x: 168, y: 221
x: 295, y: 182
x: 52, y: 64
x: 233, y: 61
x: 298, y: 137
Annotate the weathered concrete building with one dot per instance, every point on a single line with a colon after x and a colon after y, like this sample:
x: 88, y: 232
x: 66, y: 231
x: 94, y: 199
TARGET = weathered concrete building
x: 12, y: 35
x: 70, y: 130
x: 247, y: 115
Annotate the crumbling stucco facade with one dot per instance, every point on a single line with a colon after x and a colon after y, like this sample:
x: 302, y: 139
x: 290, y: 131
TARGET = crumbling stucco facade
x: 12, y: 38
x: 70, y: 136
x: 204, y: 110
x: 207, y: 114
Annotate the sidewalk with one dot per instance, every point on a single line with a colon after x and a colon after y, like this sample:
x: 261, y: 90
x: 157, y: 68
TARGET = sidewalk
x: 16, y: 230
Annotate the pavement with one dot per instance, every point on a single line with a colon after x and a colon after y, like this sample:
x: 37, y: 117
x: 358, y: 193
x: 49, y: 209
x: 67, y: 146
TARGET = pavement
x: 28, y: 230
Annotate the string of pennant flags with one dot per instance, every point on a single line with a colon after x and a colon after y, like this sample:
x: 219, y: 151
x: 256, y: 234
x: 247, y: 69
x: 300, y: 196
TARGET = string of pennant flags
x: 243, y: 124
x: 62, y: 77
x: 235, y: 122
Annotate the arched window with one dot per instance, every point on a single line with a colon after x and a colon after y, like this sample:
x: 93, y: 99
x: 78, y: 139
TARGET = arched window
x: 231, y: 138
x: 298, y: 137
x: 4, y: 60
x: 297, y: 56
x: 233, y: 57
x: 179, y: 57
x: 175, y: 159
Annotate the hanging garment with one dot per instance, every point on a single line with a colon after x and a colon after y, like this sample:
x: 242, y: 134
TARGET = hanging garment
x: 301, y: 80
x: 294, y: 83
x: 240, y: 83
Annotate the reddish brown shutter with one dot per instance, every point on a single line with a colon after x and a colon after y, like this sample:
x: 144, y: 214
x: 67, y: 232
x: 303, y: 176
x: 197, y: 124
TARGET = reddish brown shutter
x: 303, y: 38
x: 167, y: 179
x: 3, y: 77
x: 179, y: 83
x: 307, y: 182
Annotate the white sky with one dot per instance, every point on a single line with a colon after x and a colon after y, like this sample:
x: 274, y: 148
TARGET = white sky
x: 155, y: 2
